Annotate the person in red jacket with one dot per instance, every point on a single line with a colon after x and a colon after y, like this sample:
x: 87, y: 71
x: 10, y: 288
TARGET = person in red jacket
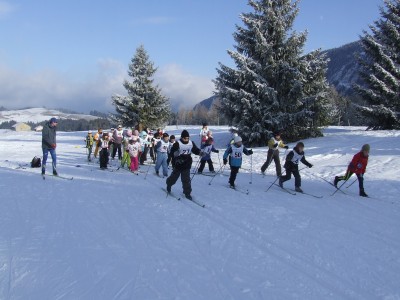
x: 357, y: 166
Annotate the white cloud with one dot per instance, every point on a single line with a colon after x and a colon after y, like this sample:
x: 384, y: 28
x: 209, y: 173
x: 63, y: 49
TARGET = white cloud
x: 6, y: 8
x: 183, y: 89
x: 55, y: 89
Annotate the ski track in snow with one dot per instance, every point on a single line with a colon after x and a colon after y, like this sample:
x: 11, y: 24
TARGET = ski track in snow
x: 113, y: 235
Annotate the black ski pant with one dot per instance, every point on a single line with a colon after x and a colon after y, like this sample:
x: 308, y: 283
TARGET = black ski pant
x: 288, y: 176
x: 117, y: 147
x: 349, y: 174
x: 234, y: 172
x: 143, y: 157
x: 273, y: 155
x: 203, y: 164
x: 103, y: 158
x: 185, y: 178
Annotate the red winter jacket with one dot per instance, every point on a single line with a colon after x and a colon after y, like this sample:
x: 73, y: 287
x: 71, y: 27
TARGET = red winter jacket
x: 359, y: 163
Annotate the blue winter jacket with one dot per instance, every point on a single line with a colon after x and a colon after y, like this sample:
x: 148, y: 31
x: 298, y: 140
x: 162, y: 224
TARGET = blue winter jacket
x: 235, y: 161
x: 207, y: 156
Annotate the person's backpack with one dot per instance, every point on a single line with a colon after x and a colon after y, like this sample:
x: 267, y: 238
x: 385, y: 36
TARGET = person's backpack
x: 36, y: 162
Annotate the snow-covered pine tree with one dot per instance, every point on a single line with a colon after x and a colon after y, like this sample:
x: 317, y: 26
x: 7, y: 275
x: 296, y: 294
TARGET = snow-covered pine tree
x: 274, y: 86
x: 144, y: 105
x: 380, y: 69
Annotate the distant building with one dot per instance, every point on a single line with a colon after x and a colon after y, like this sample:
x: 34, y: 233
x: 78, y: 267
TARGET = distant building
x: 22, y: 127
x: 39, y: 128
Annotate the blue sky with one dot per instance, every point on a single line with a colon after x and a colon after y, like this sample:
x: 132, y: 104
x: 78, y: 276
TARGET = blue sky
x: 74, y: 54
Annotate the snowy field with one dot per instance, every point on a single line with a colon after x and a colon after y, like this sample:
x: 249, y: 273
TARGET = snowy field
x: 114, y: 235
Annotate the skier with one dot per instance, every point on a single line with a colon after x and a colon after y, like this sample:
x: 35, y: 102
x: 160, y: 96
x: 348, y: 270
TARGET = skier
x: 126, y: 159
x: 49, y: 144
x: 235, y: 153
x: 89, y: 144
x: 97, y: 138
x: 162, y: 148
x: 171, y: 143
x: 207, y: 148
x: 273, y: 153
x: 182, y: 163
x: 118, y: 135
x: 358, y: 166
x: 154, y: 141
x: 292, y: 166
x: 134, y: 148
x: 145, y: 147
x: 203, y: 133
x: 104, y: 145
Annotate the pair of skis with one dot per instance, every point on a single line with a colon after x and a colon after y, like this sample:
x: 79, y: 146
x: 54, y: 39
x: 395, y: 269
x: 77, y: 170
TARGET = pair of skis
x: 57, y: 176
x: 170, y: 194
x: 293, y: 192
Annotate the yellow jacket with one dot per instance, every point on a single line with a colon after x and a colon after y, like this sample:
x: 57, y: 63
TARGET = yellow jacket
x: 272, y: 142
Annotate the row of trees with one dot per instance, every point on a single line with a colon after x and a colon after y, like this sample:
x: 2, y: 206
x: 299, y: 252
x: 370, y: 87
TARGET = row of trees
x: 273, y: 85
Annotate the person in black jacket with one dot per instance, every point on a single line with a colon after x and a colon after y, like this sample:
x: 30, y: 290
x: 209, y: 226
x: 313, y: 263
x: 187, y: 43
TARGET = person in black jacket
x: 182, y: 163
x: 292, y: 166
x: 49, y: 144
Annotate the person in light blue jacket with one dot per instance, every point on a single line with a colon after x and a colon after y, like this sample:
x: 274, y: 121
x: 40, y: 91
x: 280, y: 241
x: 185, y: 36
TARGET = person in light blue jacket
x: 235, y: 154
x: 162, y: 148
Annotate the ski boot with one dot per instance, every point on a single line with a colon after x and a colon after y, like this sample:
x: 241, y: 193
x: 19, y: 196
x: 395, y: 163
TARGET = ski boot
x: 336, y: 181
x: 362, y: 193
x: 55, y: 173
x: 232, y: 185
x: 43, y: 170
x: 280, y: 182
x: 168, y: 188
x: 298, y: 189
x: 189, y: 197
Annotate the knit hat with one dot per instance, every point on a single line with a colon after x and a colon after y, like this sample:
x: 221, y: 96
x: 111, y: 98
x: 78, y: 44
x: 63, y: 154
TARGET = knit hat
x: 300, y: 144
x: 185, y: 134
x: 366, y: 147
x: 172, y: 137
x: 277, y: 132
x: 165, y: 135
x: 53, y: 120
x: 237, y: 139
x: 89, y: 132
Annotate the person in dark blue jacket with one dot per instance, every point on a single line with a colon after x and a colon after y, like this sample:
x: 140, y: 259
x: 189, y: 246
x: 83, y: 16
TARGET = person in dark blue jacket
x: 207, y: 148
x: 235, y: 152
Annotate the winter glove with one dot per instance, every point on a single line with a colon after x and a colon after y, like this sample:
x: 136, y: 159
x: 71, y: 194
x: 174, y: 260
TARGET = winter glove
x: 225, y: 161
x: 286, y: 147
x: 275, y: 145
x: 250, y: 152
x: 53, y: 146
x: 217, y: 151
x: 310, y: 166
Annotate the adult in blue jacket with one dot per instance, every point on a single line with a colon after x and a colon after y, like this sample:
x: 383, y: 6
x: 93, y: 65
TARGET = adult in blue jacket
x: 235, y: 152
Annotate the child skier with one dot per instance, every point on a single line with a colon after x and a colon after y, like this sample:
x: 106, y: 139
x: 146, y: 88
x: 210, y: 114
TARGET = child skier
x: 358, y: 166
x: 207, y: 148
x: 235, y: 153
x: 154, y: 141
x: 162, y: 148
x: 273, y: 153
x: 97, y: 138
x: 171, y: 143
x: 103, y: 145
x: 89, y: 144
x: 203, y: 133
x: 292, y: 166
x: 126, y: 159
x: 134, y: 148
x: 182, y: 162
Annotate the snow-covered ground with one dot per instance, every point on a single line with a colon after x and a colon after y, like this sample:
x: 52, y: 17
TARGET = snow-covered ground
x: 114, y: 235
x: 38, y: 115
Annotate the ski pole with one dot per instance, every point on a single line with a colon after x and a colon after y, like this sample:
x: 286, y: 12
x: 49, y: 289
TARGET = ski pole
x: 195, y: 170
x: 147, y: 172
x: 219, y: 160
x: 251, y: 169
x: 221, y: 169
x: 272, y: 184
x: 351, y: 183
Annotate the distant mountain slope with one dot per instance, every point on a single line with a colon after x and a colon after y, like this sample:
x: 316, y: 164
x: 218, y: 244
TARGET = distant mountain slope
x: 39, y: 114
x: 343, y: 69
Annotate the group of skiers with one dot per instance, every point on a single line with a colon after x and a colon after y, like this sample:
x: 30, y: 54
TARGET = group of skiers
x: 133, y: 147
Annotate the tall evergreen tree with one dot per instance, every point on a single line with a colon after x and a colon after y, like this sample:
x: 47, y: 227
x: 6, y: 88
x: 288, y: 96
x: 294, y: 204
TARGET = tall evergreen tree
x: 144, y: 105
x: 274, y: 86
x: 380, y: 69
